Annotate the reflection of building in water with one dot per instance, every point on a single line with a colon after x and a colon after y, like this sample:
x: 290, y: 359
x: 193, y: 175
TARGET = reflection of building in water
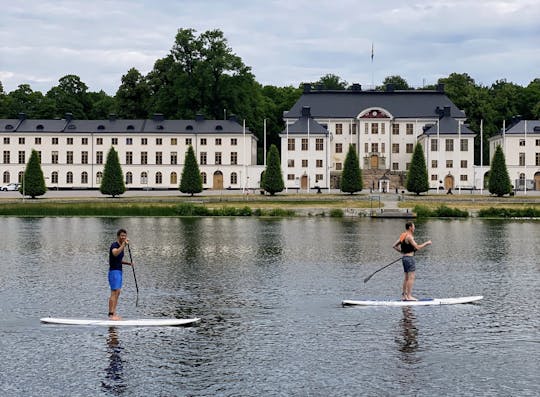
x: 408, y: 344
x: 114, y: 382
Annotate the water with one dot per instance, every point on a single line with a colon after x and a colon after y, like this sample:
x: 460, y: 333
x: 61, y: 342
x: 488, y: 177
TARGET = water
x: 269, y: 293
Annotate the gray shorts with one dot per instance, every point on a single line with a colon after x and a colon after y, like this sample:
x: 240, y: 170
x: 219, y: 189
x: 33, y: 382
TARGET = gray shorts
x: 409, y: 264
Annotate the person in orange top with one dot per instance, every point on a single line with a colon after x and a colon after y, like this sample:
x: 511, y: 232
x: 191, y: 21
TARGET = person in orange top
x: 407, y: 246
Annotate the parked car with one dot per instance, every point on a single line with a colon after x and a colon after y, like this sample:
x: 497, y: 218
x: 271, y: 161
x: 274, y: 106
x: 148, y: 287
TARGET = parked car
x: 10, y: 186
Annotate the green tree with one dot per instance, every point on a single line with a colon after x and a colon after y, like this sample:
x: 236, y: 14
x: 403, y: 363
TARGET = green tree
x: 398, y: 82
x: 499, y: 180
x: 132, y: 96
x: 351, y: 178
x: 112, y: 182
x: 33, y: 182
x: 70, y: 96
x: 330, y: 82
x: 191, y: 181
x: 272, y: 180
x: 417, y: 177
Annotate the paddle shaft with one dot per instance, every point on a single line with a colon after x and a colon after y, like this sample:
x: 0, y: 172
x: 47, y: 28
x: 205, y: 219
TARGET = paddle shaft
x: 134, y: 276
x: 382, y: 268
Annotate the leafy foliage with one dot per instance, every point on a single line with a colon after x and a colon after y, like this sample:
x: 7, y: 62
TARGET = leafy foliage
x: 417, y: 177
x: 272, y: 180
x: 191, y: 181
x: 499, y: 180
x: 112, y: 182
x: 442, y: 211
x: 351, y: 178
x: 492, y: 212
x: 33, y: 182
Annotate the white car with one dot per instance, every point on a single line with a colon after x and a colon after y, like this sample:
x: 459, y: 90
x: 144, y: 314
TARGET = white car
x: 10, y: 186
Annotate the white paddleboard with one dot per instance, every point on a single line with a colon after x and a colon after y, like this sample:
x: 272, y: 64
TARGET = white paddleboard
x: 145, y: 322
x: 420, y: 302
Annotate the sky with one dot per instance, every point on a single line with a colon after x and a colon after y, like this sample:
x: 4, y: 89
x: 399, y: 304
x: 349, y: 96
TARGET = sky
x: 284, y: 42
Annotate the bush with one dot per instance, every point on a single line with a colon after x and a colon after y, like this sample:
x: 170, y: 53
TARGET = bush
x: 440, y: 212
x: 491, y: 212
x: 336, y: 213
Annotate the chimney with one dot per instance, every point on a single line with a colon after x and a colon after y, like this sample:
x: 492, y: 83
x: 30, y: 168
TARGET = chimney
x: 307, y: 87
x: 68, y: 116
x: 112, y: 117
x: 446, y: 111
x: 199, y: 117
x: 233, y: 118
x: 356, y: 87
x: 440, y: 87
x: 306, y: 111
x: 22, y: 116
x: 158, y: 117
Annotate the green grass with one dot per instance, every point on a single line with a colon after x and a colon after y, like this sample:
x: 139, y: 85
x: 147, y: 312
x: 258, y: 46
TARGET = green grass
x: 509, y: 212
x: 441, y: 211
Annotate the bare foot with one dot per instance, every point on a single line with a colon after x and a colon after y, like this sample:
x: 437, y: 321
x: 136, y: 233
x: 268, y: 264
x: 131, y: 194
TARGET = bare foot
x: 411, y: 298
x: 114, y: 317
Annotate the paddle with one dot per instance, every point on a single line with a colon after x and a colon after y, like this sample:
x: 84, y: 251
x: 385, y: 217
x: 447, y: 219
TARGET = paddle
x: 134, y: 276
x: 377, y: 271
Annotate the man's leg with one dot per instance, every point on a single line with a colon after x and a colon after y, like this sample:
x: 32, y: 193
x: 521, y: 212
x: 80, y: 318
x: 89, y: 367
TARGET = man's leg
x: 113, y: 301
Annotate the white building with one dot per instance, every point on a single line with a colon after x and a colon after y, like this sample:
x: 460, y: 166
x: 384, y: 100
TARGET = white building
x: 521, y: 147
x: 383, y: 127
x: 73, y: 152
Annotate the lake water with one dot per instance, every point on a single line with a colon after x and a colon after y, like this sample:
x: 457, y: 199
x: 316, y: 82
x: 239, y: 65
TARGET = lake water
x: 268, y: 293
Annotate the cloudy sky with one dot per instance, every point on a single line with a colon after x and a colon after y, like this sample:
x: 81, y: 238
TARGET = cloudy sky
x: 285, y: 42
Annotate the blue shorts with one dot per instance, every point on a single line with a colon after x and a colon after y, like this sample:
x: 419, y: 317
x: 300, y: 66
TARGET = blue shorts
x: 409, y: 264
x: 115, y: 279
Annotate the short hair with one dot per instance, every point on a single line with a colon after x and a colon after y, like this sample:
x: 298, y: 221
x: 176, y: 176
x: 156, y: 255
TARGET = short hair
x: 120, y: 231
x: 408, y: 225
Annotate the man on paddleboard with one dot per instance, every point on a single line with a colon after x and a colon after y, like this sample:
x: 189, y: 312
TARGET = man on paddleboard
x: 407, y: 246
x: 116, y: 260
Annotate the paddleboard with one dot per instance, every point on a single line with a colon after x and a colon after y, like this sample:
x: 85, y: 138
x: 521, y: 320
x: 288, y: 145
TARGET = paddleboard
x: 420, y: 302
x: 145, y: 322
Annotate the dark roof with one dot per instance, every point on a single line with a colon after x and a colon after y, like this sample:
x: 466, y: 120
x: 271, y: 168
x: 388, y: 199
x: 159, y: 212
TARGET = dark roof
x: 448, y: 125
x: 348, y: 104
x: 533, y: 127
x: 301, y: 127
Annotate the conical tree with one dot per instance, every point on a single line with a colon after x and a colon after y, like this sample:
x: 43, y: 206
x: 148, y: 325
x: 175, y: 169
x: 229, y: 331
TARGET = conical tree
x: 33, y: 182
x: 417, y: 177
x: 112, y: 182
x: 272, y: 180
x: 499, y: 180
x: 351, y: 178
x: 191, y: 181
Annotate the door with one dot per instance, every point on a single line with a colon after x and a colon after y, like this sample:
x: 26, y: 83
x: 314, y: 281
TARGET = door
x: 537, y: 181
x: 448, y: 182
x: 303, y: 182
x: 218, y: 181
x: 374, y: 163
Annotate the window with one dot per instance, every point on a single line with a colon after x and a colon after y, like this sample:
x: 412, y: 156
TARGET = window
x: 159, y: 178
x: 7, y: 157
x: 22, y: 157
x: 538, y: 142
x: 39, y: 156
x: 304, y: 163
x: 69, y: 177
x: 319, y: 177
x: 159, y: 142
x: 464, y: 145
x: 54, y: 177
x: 84, y: 141
x: 159, y: 158
x: 144, y: 141
x: 203, y: 175
x: 374, y: 147
x: 218, y: 158
x: 434, y: 177
x: 353, y: 129
x: 434, y: 145
x: 99, y: 141
x: 37, y: 141
x: 409, y: 148
x: 144, y: 158
x: 366, y: 128
x: 129, y: 178
x: 234, y: 158
x: 203, y: 141
x: 188, y: 141
x: 449, y: 145
x: 522, y: 142
x: 174, y: 158
x: 99, y: 177
x: 234, y: 178
x: 383, y: 129
x: 174, y: 178
x: 409, y: 129
x: 522, y: 159
x: 537, y: 157
x: 6, y: 140
x: 21, y: 141
x: 290, y: 163
x: 319, y: 144
x: 144, y: 178
x: 202, y: 156
x: 374, y: 128
x: 339, y: 148
x: 339, y: 129
x: 99, y: 157
x: 114, y: 141
x: 305, y: 144
x: 290, y: 144
x: 84, y: 177
x: 434, y: 163
x: 129, y: 141
x: 339, y: 166
x: 395, y: 147
x: 395, y: 166
x: 395, y: 129
x: 218, y: 141
x: 234, y: 141
x: 463, y: 163
x: 366, y: 147
x: 353, y: 146
x: 69, y: 157
x: 407, y: 166
x: 129, y: 158
x: 54, y: 157
x: 290, y: 177
x: 318, y: 163
x: 449, y: 163
x: 463, y: 178
x: 174, y: 141
x: 84, y: 158
x: 69, y: 141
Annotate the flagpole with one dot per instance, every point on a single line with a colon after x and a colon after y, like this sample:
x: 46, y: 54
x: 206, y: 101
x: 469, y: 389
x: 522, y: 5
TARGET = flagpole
x: 264, y: 152
x: 245, y: 157
x: 439, y: 165
x: 482, y: 154
x: 287, y: 158
x: 309, y: 155
x: 525, y: 160
x: 459, y: 152
x: 372, y: 73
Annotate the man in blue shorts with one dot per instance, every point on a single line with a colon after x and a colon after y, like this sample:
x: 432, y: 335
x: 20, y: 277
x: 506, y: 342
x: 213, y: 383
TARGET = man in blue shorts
x: 116, y: 260
x: 407, y: 246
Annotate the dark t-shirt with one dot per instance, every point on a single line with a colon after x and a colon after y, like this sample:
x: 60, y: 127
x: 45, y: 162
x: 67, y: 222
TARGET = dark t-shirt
x: 115, y: 262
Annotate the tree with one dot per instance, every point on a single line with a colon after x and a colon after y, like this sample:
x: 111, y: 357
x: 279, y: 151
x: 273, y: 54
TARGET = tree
x: 191, y: 181
x: 417, y: 177
x: 499, y: 181
x: 330, y: 82
x: 272, y: 180
x: 112, y: 182
x: 398, y: 82
x: 70, y: 96
x: 33, y: 182
x: 132, y: 96
x: 351, y: 178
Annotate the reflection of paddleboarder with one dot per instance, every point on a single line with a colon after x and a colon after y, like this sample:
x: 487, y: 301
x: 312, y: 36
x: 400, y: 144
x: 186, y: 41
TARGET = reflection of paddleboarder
x: 407, y: 246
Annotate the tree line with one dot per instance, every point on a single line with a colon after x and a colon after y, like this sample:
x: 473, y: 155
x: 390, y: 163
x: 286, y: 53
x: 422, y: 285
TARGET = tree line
x: 202, y: 75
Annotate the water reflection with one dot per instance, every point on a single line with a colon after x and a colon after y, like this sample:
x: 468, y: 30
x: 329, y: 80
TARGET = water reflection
x: 114, y: 374
x: 408, y: 342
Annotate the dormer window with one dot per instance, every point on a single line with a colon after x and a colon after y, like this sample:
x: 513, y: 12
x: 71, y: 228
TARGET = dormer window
x: 189, y: 127
x: 159, y: 127
x: 130, y: 127
x: 219, y: 128
x: 9, y: 127
x: 39, y: 127
x: 101, y: 127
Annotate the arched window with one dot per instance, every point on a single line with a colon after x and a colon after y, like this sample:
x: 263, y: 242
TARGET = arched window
x: 99, y: 177
x: 203, y: 174
x: 129, y: 178
x: 69, y: 177
x: 20, y: 176
x: 234, y: 178
x: 84, y: 177
x: 174, y: 178
x: 6, y: 177
x: 144, y: 178
x: 54, y: 177
x: 159, y: 178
